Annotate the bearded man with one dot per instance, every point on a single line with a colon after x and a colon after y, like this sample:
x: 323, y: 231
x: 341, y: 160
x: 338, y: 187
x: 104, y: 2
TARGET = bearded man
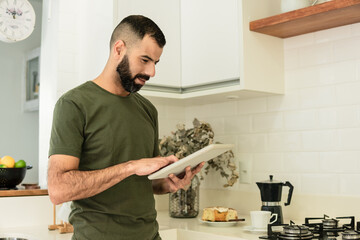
x: 104, y: 143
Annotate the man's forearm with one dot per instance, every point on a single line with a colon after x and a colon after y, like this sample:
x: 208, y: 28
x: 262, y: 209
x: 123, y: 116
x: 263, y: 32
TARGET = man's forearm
x: 71, y: 185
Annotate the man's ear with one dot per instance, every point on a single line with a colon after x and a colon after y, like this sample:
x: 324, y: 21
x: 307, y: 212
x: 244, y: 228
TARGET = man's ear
x: 119, y: 49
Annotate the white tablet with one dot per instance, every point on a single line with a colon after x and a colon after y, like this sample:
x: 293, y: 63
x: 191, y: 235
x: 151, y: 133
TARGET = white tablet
x: 205, y: 154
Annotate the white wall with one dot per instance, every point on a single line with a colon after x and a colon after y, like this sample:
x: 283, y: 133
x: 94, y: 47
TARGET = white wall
x: 19, y: 130
x: 77, y: 47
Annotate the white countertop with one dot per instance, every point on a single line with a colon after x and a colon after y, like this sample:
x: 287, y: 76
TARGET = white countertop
x: 194, y: 224
x: 41, y: 232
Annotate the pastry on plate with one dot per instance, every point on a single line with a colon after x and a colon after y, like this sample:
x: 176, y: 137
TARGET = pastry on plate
x: 219, y: 214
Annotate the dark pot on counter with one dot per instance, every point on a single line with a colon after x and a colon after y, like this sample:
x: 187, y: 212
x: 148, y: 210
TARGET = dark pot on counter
x: 10, y: 177
x: 271, y: 190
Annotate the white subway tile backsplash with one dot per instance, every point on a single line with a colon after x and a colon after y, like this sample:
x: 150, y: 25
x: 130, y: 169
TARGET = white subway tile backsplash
x: 316, y: 54
x: 289, y: 101
x: 272, y: 162
x: 284, y: 142
x: 238, y: 124
x: 299, y: 41
x: 327, y: 118
x: 255, y: 105
x: 318, y: 97
x: 337, y: 72
x: 298, y: 120
x: 198, y: 111
x: 333, y: 34
x: 324, y: 140
x: 268, y: 122
x: 302, y: 78
x: 347, y: 116
x: 223, y: 109
x: 347, y: 49
x: 340, y: 162
x: 349, y: 184
x: 316, y: 184
x: 348, y: 93
x: 249, y: 143
x: 304, y: 162
x: 177, y: 112
x: 321, y: 75
x: 355, y: 29
x: 349, y: 139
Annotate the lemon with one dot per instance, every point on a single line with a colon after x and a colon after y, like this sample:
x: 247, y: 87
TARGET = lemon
x: 8, y: 161
x: 20, y: 164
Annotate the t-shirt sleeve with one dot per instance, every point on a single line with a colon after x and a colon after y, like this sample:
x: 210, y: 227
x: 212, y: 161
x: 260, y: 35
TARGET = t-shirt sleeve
x: 67, y: 133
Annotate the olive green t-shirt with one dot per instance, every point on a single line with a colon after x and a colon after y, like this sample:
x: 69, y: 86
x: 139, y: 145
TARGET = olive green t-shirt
x: 103, y: 129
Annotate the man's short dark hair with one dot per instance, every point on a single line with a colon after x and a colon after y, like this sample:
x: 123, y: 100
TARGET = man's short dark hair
x: 137, y: 26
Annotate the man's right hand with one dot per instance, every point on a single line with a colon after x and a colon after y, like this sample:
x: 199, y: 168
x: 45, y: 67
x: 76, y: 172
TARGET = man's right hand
x: 146, y: 166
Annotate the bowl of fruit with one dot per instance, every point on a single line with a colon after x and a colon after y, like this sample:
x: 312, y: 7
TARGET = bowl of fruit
x: 12, y: 172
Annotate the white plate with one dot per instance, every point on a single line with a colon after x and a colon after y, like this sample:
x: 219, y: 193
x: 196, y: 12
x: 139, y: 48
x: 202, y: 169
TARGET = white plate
x: 252, y: 229
x: 219, y: 224
x: 205, y: 154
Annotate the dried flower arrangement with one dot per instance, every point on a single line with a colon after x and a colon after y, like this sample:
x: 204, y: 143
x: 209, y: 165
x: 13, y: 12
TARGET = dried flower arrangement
x: 184, y: 142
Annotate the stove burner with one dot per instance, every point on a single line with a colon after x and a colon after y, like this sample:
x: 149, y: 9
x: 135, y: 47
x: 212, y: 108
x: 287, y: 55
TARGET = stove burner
x: 330, y: 223
x: 295, y: 229
x: 350, y: 235
x: 322, y: 228
x: 290, y: 232
x: 295, y: 232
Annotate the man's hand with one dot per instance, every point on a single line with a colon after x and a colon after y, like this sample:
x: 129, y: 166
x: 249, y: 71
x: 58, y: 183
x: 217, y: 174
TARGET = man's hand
x: 146, y: 166
x: 174, y: 183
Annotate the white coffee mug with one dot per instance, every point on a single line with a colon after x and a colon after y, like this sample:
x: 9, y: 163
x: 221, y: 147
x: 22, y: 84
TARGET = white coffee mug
x: 289, y: 5
x: 261, y: 219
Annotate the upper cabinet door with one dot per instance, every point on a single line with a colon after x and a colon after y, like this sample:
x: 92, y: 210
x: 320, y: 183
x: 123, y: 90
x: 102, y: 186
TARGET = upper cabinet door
x: 209, y: 41
x: 166, y: 15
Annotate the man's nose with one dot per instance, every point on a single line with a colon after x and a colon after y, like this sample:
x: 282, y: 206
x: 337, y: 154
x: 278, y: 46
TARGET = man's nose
x: 150, y: 70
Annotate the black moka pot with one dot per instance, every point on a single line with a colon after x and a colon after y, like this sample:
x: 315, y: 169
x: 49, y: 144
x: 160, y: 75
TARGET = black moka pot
x: 271, y: 196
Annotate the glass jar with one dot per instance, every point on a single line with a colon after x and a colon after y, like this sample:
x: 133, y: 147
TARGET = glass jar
x: 185, y: 202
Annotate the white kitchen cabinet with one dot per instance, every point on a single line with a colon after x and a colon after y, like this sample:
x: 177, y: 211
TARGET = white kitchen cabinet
x: 166, y: 15
x: 211, y: 54
x: 209, y: 42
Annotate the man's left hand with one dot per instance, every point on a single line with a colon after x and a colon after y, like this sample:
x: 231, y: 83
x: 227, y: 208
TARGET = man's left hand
x: 173, y: 183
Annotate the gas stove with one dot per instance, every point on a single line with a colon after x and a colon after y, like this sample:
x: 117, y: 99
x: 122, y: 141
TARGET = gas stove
x: 322, y: 228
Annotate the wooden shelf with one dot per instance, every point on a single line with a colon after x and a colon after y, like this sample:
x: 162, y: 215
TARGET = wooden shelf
x: 322, y: 16
x: 21, y: 193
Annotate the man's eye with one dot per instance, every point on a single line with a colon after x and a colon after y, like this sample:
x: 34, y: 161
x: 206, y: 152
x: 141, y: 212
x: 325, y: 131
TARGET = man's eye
x: 145, y: 60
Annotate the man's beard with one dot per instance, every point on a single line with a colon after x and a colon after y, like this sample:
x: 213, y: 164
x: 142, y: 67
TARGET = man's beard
x: 126, y: 80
